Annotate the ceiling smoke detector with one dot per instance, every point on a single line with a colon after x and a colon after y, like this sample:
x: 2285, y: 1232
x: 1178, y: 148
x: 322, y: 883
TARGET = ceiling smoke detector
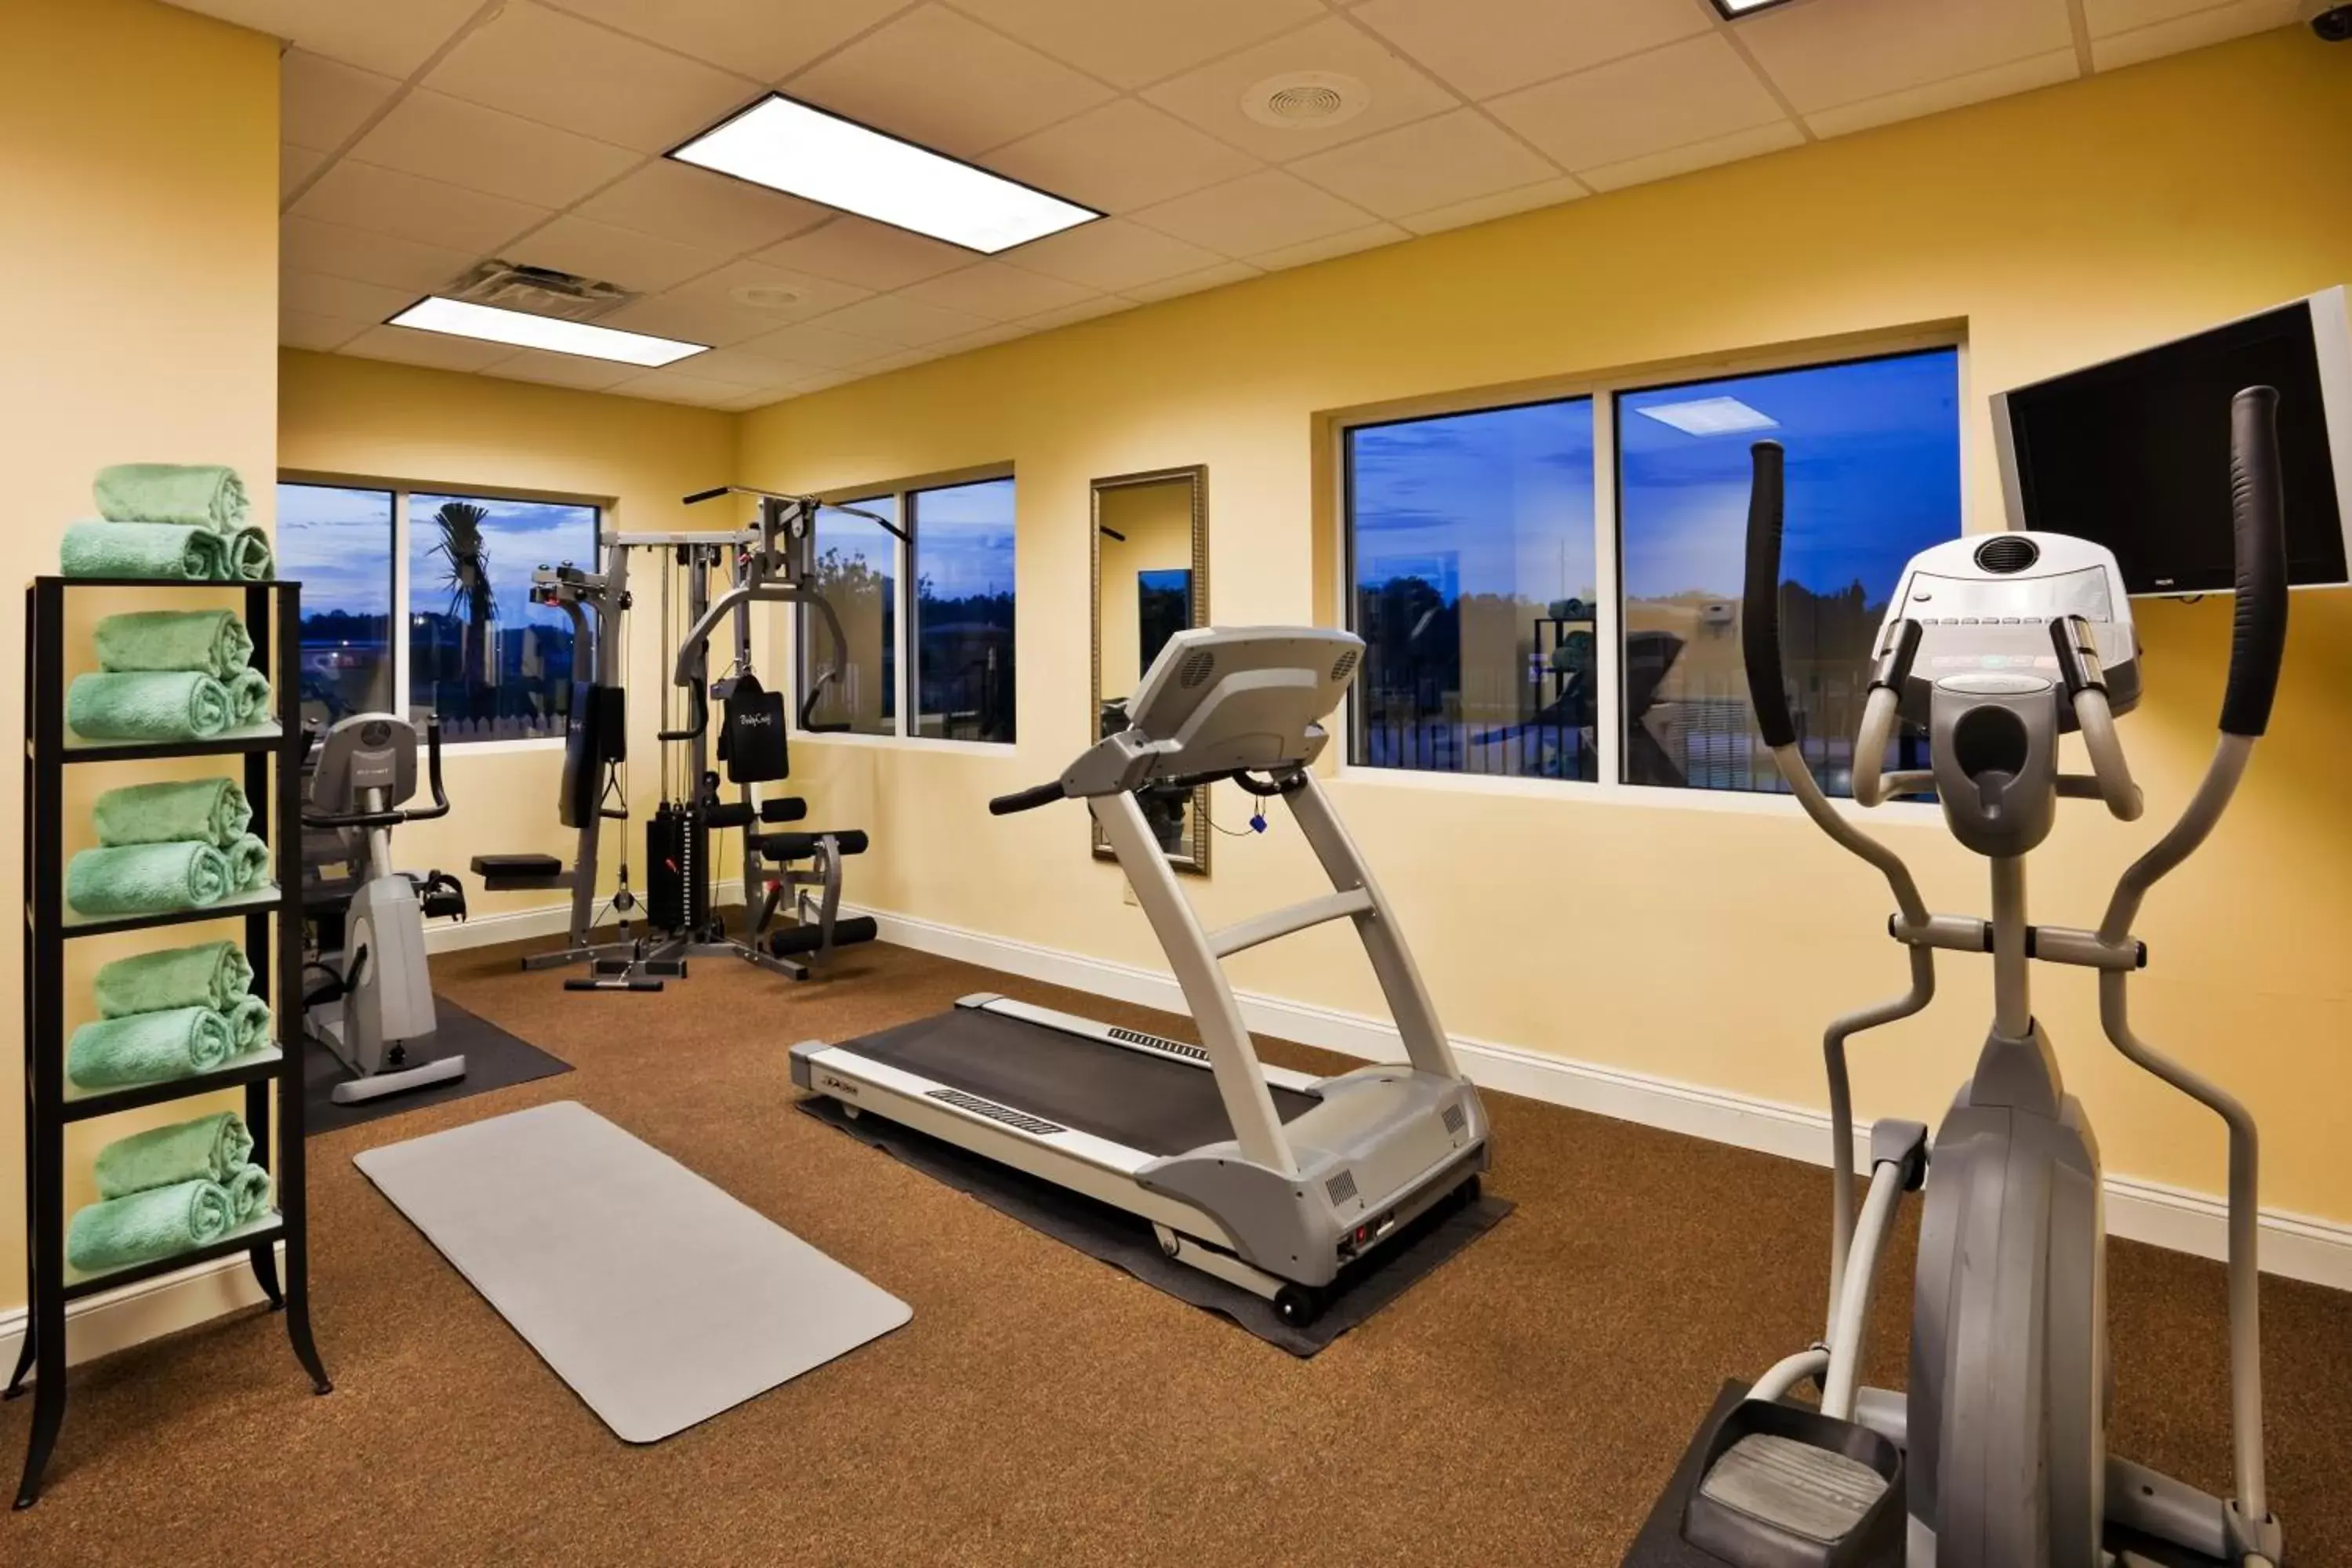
x: 765, y: 296
x: 538, y: 292
x: 1306, y: 100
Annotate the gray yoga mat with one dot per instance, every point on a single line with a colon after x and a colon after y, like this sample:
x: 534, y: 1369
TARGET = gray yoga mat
x: 660, y: 1300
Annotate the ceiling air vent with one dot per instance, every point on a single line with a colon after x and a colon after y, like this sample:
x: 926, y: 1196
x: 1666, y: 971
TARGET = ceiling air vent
x: 539, y: 291
x: 1306, y: 100
x: 2007, y: 552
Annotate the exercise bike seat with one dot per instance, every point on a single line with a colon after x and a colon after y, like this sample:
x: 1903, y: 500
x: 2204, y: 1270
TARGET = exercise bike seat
x: 507, y: 873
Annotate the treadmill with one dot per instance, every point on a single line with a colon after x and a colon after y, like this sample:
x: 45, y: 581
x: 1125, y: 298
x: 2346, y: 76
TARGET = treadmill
x: 1276, y: 1181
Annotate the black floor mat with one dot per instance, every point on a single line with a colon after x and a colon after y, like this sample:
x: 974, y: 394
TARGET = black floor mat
x: 1124, y: 1241
x: 494, y: 1059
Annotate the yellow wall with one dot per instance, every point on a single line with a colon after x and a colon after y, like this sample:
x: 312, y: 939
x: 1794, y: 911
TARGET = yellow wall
x: 1699, y: 942
x: 369, y: 418
x: 139, y: 308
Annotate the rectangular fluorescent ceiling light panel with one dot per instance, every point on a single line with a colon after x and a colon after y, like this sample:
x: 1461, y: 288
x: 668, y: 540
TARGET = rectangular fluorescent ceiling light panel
x: 787, y: 146
x: 525, y: 330
x: 1734, y: 9
x: 1710, y: 417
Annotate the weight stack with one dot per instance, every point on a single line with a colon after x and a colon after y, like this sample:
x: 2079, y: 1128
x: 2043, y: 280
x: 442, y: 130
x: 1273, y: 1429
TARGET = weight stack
x: 678, y: 894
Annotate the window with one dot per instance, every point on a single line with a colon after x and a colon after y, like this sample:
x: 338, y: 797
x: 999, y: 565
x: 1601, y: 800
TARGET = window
x: 1529, y: 611
x: 926, y: 612
x: 1873, y: 477
x: 456, y: 568
x: 1472, y: 545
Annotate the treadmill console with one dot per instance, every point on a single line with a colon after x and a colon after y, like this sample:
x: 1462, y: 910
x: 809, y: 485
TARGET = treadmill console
x: 1220, y: 698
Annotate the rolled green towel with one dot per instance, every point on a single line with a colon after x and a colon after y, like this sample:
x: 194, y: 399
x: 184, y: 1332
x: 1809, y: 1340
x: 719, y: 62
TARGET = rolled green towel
x: 146, y: 1226
x: 148, y: 705
x: 214, y: 641
x: 214, y: 974
x: 248, y: 698
x: 248, y: 1021
x: 147, y: 879
x: 214, y: 810
x: 250, y: 559
x: 149, y: 1047
x: 169, y: 551
x: 248, y: 1193
x: 210, y: 1148
x: 248, y: 862
x: 198, y: 496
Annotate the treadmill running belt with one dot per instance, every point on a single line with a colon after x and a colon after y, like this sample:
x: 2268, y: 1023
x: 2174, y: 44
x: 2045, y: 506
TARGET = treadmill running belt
x: 1147, y: 1102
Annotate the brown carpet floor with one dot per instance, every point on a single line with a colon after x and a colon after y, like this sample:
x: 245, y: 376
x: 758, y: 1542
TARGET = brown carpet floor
x: 1524, y: 1405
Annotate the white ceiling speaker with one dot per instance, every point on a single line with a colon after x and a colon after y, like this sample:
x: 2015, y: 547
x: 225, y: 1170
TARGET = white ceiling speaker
x: 764, y: 297
x: 1306, y: 100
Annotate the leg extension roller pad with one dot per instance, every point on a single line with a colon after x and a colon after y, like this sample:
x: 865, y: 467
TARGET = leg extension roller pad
x: 809, y: 938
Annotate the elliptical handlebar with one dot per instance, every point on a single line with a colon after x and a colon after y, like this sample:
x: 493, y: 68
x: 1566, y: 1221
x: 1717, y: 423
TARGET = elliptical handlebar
x: 2258, y: 516
x: 1759, y: 617
x: 1028, y: 799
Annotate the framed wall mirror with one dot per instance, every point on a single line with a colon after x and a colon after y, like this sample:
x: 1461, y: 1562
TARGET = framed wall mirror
x: 1150, y: 582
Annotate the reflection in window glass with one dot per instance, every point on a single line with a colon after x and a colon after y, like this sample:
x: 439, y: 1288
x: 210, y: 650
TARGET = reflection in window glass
x: 1873, y: 477
x: 963, y: 611
x: 857, y: 573
x: 337, y: 543
x: 493, y: 665
x: 1470, y: 537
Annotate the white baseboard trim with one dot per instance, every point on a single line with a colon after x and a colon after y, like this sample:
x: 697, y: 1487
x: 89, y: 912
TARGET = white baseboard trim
x: 2295, y: 1245
x: 505, y: 925
x: 101, y: 1325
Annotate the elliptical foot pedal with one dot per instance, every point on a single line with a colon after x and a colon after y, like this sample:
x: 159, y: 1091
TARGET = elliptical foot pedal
x: 1788, y: 1487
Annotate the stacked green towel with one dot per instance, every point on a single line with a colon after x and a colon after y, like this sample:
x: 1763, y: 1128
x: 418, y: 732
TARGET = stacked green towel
x: 214, y: 810
x: 147, y: 879
x: 150, y: 1048
x: 248, y: 862
x: 250, y: 559
x: 210, y: 974
x: 248, y: 1193
x: 210, y: 1148
x: 248, y: 698
x: 150, y: 705
x: 213, y: 641
x: 171, y: 551
x: 248, y: 1021
x: 207, y: 496
x: 146, y: 1227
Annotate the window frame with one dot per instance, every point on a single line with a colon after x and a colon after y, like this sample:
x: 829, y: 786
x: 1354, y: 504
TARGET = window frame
x: 903, y: 546
x: 401, y: 489
x: 1603, y: 388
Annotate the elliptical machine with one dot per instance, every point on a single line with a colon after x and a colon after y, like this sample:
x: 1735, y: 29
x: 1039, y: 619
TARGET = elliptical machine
x: 1996, y: 1455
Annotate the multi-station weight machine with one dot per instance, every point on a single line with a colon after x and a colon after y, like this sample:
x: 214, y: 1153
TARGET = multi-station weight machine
x: 784, y: 871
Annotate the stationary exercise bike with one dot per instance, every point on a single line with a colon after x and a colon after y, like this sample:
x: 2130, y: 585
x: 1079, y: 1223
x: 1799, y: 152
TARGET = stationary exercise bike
x: 1996, y: 1455
x: 367, y: 996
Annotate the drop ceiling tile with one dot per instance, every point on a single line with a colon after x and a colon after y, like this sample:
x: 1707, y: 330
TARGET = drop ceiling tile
x: 385, y: 201
x: 2018, y: 76
x: 1431, y: 163
x: 409, y: 346
x: 344, y: 299
x: 766, y: 39
x: 1123, y: 156
x: 1314, y: 250
x: 740, y: 367
x: 987, y: 337
x: 1264, y: 211
x: 562, y: 71
x: 947, y: 82
x: 1216, y: 277
x: 296, y: 165
x: 1662, y: 165
x: 1211, y: 96
x: 903, y: 359
x: 637, y: 262
x: 2107, y: 18
x: 393, y: 38
x: 1668, y: 98
x: 902, y: 323
x: 322, y: 335
x: 674, y: 386
x: 751, y: 400
x: 1140, y: 41
x: 2196, y: 31
x: 340, y: 252
x: 1502, y: 204
x: 445, y: 138
x: 321, y: 102
x: 818, y: 345
x: 1084, y: 310
x: 997, y: 292
x: 1113, y: 255
x: 1823, y: 56
x: 740, y: 300
x: 694, y: 206
x: 1482, y: 47
x: 873, y: 256
x: 575, y: 370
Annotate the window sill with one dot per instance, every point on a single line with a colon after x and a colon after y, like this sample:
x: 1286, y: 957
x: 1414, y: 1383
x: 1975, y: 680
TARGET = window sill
x: 1655, y: 797
x: 904, y: 742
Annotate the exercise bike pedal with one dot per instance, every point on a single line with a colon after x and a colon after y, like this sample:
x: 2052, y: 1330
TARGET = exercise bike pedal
x: 1784, y: 1486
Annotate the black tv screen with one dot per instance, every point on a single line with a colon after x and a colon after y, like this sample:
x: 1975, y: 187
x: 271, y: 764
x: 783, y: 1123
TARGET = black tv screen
x: 2135, y: 453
